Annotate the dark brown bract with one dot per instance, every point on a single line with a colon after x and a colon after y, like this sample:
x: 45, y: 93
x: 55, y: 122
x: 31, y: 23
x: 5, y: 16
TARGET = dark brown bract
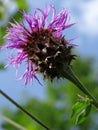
x: 49, y: 53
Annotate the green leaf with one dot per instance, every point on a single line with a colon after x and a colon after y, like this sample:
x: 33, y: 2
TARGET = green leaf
x: 78, y: 106
x: 81, y: 110
x: 82, y: 116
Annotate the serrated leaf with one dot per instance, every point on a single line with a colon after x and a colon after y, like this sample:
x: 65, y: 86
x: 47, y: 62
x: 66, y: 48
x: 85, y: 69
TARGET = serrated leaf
x: 78, y: 106
x: 81, y: 117
x: 81, y: 109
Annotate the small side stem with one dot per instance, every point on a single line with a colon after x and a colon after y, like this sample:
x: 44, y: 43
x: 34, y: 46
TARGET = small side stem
x: 23, y: 110
x: 68, y: 73
x: 18, y: 126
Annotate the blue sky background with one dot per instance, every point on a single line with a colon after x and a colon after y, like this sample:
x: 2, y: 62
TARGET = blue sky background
x: 85, y: 14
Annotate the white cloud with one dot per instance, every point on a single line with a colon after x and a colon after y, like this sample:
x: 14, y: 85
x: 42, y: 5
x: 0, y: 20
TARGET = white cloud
x: 86, y: 13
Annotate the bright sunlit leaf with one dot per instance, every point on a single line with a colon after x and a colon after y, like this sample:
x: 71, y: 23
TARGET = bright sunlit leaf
x: 81, y: 110
x: 82, y: 116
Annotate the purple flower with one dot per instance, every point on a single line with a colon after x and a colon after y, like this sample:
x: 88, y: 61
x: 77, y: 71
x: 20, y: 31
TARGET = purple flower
x: 40, y: 43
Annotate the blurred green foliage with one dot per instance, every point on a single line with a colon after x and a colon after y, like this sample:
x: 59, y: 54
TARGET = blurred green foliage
x: 56, y: 110
x: 2, y: 10
x: 22, y: 5
x: 2, y: 66
x: 2, y: 33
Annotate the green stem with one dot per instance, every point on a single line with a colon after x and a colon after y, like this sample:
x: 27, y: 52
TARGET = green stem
x: 18, y: 126
x: 23, y: 110
x: 68, y: 73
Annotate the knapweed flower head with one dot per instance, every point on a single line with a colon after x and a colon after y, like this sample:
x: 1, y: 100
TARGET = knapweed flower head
x: 40, y: 43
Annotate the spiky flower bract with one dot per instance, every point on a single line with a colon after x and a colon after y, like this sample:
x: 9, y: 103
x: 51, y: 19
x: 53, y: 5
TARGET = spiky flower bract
x: 40, y: 43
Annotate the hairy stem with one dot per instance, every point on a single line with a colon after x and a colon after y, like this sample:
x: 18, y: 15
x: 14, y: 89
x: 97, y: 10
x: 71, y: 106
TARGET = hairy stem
x: 23, y: 110
x: 68, y: 73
